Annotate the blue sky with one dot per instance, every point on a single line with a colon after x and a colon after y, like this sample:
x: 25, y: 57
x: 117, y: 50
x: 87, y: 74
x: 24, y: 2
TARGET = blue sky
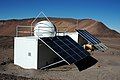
x: 106, y: 11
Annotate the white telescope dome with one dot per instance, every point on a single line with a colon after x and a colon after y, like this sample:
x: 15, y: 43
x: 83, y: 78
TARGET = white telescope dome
x: 44, y: 29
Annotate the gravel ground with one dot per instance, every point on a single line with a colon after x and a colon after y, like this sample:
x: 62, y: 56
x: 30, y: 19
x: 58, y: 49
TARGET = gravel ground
x: 12, y: 77
x: 107, y: 68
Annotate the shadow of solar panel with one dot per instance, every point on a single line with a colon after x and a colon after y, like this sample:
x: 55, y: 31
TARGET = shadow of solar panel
x: 85, y: 63
x: 67, y: 48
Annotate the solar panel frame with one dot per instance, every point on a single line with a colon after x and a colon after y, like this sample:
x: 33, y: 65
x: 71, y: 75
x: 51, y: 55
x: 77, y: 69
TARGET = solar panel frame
x: 90, y: 38
x: 61, y: 53
x: 86, y: 38
x: 97, y: 40
x: 64, y: 43
x: 53, y: 50
x: 70, y: 47
x: 78, y: 46
x: 93, y: 40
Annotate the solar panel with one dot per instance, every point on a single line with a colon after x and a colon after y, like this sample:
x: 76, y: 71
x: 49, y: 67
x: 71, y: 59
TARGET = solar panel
x: 67, y: 48
x: 86, y: 35
x: 91, y: 39
x: 98, y: 41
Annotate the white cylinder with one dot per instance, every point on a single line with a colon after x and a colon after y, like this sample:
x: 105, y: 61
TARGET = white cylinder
x: 44, y: 29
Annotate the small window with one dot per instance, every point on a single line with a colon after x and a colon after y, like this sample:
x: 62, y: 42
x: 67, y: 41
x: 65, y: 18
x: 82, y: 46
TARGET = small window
x: 29, y: 54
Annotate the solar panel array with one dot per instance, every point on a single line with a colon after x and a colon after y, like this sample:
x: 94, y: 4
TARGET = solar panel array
x: 67, y: 48
x: 91, y: 39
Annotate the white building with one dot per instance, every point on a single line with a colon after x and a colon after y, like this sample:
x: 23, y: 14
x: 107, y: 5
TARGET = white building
x: 31, y: 53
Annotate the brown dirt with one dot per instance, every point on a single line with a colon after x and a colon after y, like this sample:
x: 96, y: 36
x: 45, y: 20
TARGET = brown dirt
x: 107, y: 68
x: 12, y: 77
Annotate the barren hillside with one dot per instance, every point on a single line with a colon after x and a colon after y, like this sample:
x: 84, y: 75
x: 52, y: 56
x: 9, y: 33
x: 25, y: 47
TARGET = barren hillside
x: 7, y: 27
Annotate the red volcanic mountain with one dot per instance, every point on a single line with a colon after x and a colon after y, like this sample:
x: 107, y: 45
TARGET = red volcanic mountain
x: 97, y: 28
x: 8, y: 27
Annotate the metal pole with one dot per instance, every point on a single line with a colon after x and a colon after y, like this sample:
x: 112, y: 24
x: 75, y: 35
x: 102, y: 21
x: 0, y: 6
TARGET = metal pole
x: 16, y: 31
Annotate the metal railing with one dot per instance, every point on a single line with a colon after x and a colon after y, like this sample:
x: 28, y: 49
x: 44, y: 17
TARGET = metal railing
x: 24, y: 30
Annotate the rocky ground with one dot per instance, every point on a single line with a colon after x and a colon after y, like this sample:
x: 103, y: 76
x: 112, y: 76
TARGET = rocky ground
x: 107, y: 68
